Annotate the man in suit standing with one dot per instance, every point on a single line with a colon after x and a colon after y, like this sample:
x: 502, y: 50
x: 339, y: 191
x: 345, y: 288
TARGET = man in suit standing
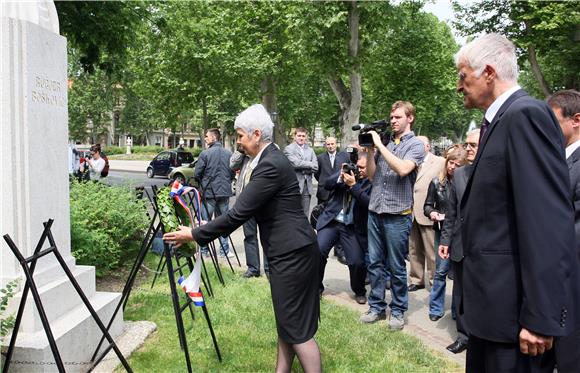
x: 303, y: 159
x: 329, y: 163
x: 272, y: 196
x: 566, y: 107
x: 517, y: 270
x: 422, y: 241
x: 451, y: 244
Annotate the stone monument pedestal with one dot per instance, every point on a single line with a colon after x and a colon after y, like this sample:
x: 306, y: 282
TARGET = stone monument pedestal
x: 34, y: 188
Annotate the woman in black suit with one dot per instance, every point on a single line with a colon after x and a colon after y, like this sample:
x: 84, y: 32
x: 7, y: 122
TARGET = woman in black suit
x: 271, y: 194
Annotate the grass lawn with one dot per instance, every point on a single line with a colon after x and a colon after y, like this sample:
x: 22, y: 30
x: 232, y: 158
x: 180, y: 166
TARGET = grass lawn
x: 243, y: 320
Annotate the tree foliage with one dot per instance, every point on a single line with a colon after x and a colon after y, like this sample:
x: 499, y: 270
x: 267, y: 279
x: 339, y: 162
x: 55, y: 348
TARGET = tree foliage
x: 547, y: 34
x: 197, y: 64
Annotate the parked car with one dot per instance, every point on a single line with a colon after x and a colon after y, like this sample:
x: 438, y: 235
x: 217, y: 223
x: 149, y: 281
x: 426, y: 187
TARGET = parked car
x: 167, y: 160
x: 184, y: 174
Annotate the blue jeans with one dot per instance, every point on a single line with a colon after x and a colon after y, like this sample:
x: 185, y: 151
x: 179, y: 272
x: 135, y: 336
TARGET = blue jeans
x: 437, y: 295
x: 388, y: 240
x: 218, y: 206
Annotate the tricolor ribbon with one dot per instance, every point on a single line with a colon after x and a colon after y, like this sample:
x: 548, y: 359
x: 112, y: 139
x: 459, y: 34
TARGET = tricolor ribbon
x: 191, y: 284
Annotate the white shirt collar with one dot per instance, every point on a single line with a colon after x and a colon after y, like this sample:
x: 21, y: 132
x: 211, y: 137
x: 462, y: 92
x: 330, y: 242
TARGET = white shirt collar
x: 494, y: 108
x: 257, y: 157
x: 571, y: 148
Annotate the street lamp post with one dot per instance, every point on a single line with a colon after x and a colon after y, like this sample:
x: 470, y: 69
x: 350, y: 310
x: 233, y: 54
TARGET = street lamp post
x: 274, y: 116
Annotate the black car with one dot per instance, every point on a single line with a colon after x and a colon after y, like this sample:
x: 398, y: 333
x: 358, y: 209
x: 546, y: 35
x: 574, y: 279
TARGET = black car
x: 165, y: 161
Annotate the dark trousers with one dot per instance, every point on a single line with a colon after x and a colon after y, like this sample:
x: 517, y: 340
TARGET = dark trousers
x: 457, y: 268
x: 568, y: 352
x: 252, y: 248
x: 337, y: 232
x: 485, y: 356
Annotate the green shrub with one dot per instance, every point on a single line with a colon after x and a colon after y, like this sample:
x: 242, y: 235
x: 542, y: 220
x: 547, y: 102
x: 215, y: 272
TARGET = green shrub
x: 110, y: 150
x: 319, y: 150
x: 6, y: 322
x: 107, y: 224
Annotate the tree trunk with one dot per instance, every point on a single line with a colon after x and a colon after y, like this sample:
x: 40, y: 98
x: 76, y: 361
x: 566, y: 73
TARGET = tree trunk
x: 538, y: 72
x: 532, y: 58
x: 205, y: 115
x: 270, y: 102
x: 349, y: 100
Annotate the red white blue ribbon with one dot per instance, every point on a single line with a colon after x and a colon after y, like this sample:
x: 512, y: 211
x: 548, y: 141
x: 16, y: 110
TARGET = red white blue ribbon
x: 190, y: 285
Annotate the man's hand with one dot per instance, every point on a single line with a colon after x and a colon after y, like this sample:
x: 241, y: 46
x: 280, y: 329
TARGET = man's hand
x: 434, y: 216
x: 348, y: 178
x: 376, y: 138
x: 534, y: 344
x: 444, y: 252
x: 179, y: 237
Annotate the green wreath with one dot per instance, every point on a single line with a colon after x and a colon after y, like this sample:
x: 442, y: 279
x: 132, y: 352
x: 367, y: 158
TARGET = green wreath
x: 173, y: 215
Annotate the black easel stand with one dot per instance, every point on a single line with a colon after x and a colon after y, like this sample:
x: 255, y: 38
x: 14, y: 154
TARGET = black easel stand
x: 177, y: 308
x: 145, y: 247
x: 31, y: 285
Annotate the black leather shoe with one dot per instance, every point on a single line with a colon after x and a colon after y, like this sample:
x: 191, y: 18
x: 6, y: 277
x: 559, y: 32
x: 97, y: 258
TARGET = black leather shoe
x: 249, y: 274
x: 341, y: 259
x: 458, y: 346
x: 414, y: 287
x: 360, y: 299
x: 434, y: 317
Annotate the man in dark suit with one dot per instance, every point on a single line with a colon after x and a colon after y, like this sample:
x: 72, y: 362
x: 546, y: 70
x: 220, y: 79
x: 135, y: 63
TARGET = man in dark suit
x: 329, y: 163
x: 346, y: 210
x: 566, y: 107
x: 273, y: 197
x: 517, y: 219
x: 451, y: 244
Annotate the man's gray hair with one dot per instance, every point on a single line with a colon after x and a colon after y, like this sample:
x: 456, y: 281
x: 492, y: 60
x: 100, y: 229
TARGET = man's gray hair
x: 491, y: 49
x: 474, y: 132
x: 255, y: 118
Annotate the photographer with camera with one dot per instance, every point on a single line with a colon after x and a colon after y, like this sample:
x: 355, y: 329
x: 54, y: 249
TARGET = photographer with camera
x: 392, y: 170
x: 344, y: 220
x: 94, y: 164
x: 305, y: 164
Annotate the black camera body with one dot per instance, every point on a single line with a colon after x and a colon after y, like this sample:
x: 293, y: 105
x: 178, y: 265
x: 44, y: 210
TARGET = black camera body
x: 366, y: 139
x: 351, y: 166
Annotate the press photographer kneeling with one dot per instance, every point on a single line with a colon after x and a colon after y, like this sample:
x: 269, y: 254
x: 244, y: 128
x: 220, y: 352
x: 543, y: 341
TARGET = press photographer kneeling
x: 345, y: 219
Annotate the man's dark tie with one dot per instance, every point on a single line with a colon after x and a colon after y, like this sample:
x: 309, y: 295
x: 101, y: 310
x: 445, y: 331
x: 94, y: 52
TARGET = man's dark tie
x: 483, y: 129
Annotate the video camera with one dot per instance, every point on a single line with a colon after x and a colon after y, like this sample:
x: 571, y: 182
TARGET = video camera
x: 351, y: 166
x: 364, y: 138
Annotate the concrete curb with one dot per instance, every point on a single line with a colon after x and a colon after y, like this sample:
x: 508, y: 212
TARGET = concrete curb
x: 134, y: 335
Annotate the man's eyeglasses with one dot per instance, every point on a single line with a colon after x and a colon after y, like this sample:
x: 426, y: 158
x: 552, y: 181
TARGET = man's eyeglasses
x: 472, y: 145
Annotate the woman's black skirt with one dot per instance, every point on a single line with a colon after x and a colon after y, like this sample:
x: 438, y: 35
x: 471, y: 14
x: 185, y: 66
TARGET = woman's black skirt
x: 294, y: 284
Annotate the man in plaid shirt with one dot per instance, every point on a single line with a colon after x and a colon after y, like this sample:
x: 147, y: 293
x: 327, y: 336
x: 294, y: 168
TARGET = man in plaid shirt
x: 393, y: 171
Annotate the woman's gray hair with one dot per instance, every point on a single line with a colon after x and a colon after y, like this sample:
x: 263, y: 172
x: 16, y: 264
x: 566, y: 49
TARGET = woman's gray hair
x: 255, y: 118
x: 491, y: 49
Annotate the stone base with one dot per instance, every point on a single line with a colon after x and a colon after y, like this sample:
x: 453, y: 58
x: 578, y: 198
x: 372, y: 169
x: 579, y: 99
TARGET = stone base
x: 75, y: 331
